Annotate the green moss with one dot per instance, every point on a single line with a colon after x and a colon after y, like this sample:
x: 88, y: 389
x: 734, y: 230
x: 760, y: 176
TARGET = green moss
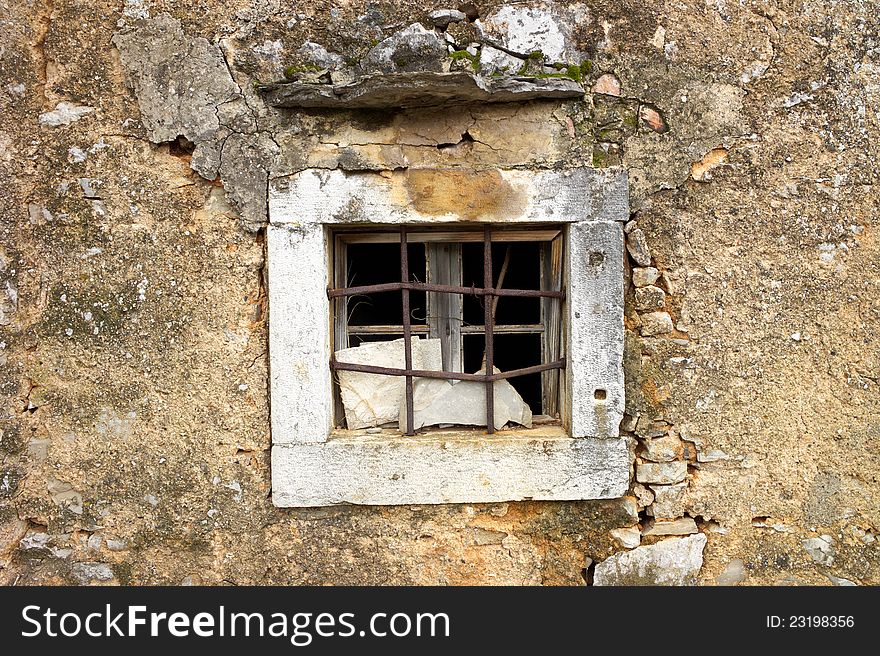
x: 537, y: 55
x: 460, y: 55
x: 612, y: 135
x: 294, y: 70
x: 574, y: 72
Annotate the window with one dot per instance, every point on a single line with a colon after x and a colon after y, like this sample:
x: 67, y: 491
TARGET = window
x: 492, y: 298
x: 564, y: 229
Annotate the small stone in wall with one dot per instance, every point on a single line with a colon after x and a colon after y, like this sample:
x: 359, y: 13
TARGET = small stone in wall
x: 443, y: 17
x: 412, y: 49
x: 676, y: 561
x: 485, y: 536
x: 644, y: 495
x: 821, y: 549
x: 607, y: 84
x: 649, y: 298
x: 629, y: 538
x: 86, y: 573
x: 652, y: 119
x: 644, y: 276
x: 734, y: 573
x: 702, y: 171
x: 668, y: 501
x: 663, y: 449
x: 682, y: 526
x: 319, y: 56
x: 65, y: 496
x: 64, y: 114
x: 656, y: 323
x: 839, y: 581
x: 637, y: 246
x: 661, y: 472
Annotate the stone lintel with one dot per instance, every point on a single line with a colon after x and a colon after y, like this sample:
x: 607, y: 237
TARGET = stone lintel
x: 420, y: 89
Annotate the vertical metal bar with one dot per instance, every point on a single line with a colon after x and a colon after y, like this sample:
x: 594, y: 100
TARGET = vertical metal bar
x: 488, y: 322
x: 407, y: 331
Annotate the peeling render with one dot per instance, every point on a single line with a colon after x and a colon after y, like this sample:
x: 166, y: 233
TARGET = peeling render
x: 185, y: 88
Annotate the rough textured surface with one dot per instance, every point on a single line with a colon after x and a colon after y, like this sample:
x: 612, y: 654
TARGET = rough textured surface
x: 420, y: 89
x: 148, y: 421
x: 379, y: 470
x: 444, y: 195
x: 302, y: 208
x: 675, y: 561
x: 185, y: 88
x: 302, y: 398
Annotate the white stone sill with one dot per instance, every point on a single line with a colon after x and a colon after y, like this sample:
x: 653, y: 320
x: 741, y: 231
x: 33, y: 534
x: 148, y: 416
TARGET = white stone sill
x: 449, y: 467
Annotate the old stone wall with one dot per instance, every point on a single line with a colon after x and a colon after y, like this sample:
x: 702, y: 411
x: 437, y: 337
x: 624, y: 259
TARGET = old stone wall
x: 136, y: 153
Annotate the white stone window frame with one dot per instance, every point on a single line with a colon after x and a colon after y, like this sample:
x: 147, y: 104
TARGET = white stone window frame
x: 315, y: 465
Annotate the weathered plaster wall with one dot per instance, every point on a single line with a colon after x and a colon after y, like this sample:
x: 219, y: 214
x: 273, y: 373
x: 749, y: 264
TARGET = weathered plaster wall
x: 135, y: 417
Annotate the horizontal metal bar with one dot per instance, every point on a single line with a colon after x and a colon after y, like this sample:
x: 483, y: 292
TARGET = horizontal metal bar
x: 446, y: 375
x: 449, y: 289
x: 418, y: 329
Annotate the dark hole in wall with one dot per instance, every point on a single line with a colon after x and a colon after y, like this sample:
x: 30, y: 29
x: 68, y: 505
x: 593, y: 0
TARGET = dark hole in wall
x: 373, y: 264
x: 523, y: 272
x: 588, y: 573
x: 470, y: 10
x: 181, y: 147
x: 511, y: 352
x: 465, y: 140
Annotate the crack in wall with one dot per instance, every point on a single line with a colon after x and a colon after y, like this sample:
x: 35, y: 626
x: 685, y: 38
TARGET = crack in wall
x: 44, y: 21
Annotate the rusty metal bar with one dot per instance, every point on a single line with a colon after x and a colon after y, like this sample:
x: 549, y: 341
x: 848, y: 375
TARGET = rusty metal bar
x: 421, y: 329
x: 431, y: 287
x: 446, y: 375
x: 488, y: 324
x: 407, y: 331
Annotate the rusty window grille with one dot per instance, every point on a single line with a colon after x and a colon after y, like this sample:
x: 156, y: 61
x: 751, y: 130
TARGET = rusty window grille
x: 488, y: 291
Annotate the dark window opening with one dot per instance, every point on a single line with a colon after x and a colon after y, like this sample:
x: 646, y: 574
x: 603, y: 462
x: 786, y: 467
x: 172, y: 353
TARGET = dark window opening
x: 512, y: 351
x: 373, y: 264
x: 524, y: 290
